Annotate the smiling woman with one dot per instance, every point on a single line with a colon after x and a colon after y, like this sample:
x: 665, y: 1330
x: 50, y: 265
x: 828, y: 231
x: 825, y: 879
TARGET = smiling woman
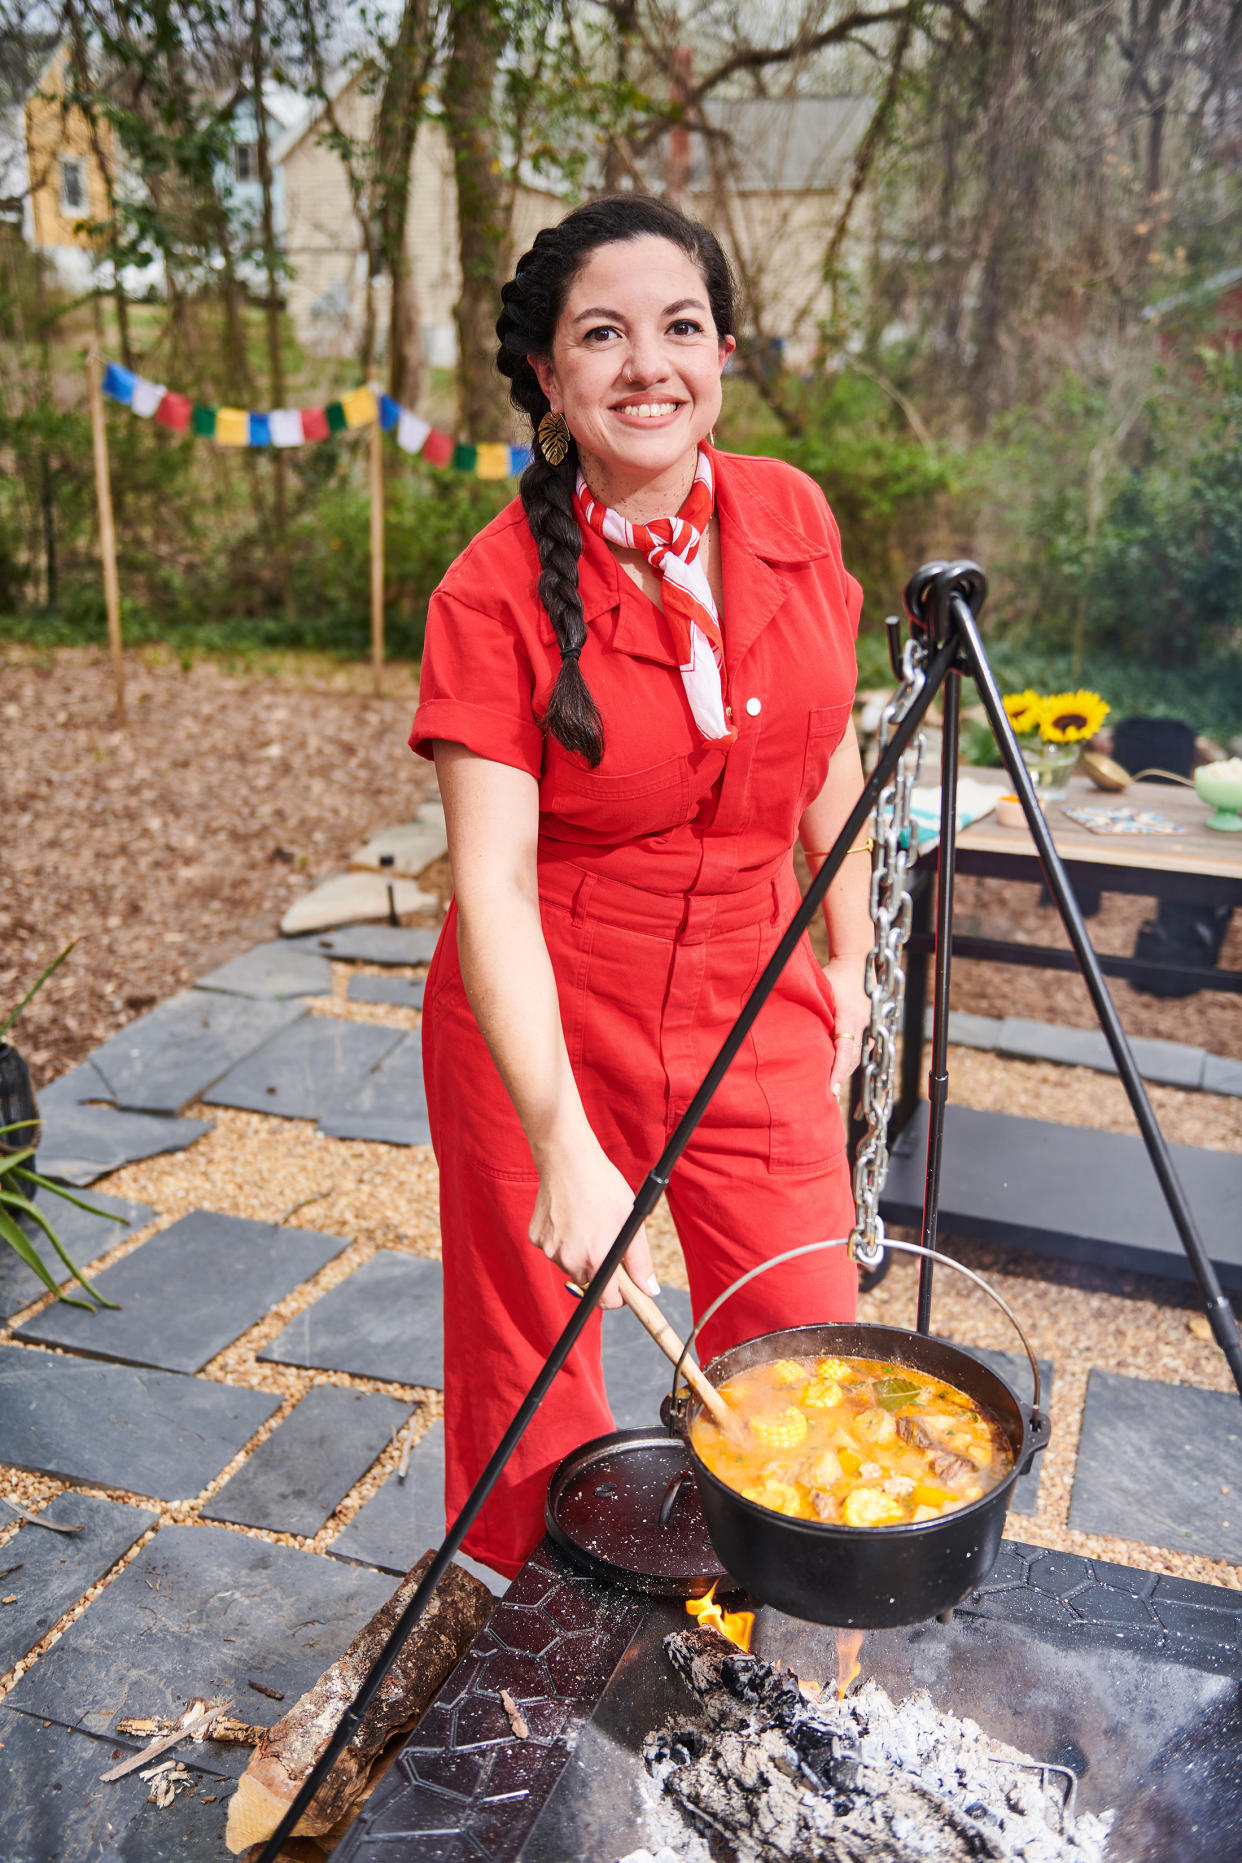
x: 636, y: 687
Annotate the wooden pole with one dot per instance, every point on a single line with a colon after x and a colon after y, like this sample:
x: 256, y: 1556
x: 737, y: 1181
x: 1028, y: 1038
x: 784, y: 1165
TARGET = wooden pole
x: 377, y: 555
x: 107, y: 529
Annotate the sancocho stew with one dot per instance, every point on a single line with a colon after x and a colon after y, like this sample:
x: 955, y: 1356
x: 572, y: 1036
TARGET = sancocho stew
x: 856, y: 1442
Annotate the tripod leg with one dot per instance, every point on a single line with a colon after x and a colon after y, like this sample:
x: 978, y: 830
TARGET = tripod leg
x: 938, y: 1078
x: 1219, y: 1312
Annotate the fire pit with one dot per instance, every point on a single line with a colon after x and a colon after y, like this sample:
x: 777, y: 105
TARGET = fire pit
x: 1131, y: 1681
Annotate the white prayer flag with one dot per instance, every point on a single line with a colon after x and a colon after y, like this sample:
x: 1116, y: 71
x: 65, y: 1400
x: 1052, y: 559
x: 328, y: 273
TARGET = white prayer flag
x: 147, y: 396
x: 285, y: 426
x: 412, y: 431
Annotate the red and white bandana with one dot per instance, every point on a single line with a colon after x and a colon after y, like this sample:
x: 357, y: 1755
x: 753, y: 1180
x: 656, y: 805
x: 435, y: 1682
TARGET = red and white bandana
x: 671, y: 546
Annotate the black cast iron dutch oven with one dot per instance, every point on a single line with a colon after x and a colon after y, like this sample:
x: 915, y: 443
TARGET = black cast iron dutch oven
x: 865, y: 1578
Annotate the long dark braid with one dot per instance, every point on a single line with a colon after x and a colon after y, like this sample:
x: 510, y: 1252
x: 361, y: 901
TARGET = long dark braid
x: 533, y: 300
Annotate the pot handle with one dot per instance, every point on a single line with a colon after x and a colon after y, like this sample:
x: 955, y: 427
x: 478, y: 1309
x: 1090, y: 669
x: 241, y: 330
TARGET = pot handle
x: 907, y: 1248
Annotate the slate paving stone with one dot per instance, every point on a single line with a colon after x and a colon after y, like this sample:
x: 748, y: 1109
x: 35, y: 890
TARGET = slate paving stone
x: 1169, y: 1063
x: 373, y: 944
x: 1222, y: 1075
x: 147, y: 1432
x: 1068, y: 1191
x: 80, y: 1084
x: 167, y: 1058
x: 383, y: 1321
x: 307, y: 1070
x: 1015, y: 1368
x: 347, y: 898
x: 202, y: 1611
x: 273, y: 969
x: 405, y: 992
x: 1152, y: 1460
x: 307, y: 1466
x: 188, y: 1291
x: 404, y: 1518
x: 388, y: 1105
x: 636, y: 1373
x: 81, y: 1143
x: 54, y: 1569
x: 83, y: 1234
x: 56, y: 1810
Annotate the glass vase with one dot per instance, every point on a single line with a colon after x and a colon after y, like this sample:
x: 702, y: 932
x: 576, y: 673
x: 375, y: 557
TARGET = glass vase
x: 1051, y: 766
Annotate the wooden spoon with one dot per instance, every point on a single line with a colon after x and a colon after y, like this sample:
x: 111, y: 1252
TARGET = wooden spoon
x: 645, y: 1311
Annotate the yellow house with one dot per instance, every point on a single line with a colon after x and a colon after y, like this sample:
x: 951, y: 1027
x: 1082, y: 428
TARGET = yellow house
x: 66, y: 187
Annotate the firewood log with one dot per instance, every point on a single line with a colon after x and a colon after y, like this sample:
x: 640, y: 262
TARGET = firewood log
x: 458, y: 1610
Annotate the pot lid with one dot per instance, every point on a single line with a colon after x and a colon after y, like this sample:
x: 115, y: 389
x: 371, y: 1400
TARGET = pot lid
x: 626, y: 1508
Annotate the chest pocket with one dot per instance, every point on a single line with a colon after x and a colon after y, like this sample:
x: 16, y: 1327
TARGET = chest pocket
x: 826, y: 726
x: 612, y: 808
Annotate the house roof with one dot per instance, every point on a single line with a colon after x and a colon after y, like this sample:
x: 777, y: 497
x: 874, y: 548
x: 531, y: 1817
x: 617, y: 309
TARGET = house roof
x: 24, y: 57
x: 783, y: 145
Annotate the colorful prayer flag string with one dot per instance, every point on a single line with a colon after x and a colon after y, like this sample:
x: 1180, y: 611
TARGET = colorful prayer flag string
x: 240, y: 427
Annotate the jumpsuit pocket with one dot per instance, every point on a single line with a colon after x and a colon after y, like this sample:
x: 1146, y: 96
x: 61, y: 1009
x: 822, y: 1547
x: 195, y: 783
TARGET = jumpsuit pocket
x: 826, y: 726
x: 469, y: 1106
x: 623, y: 807
x: 793, y: 1038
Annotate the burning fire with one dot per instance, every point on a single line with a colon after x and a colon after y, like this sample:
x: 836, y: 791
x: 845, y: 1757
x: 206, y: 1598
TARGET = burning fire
x: 849, y: 1642
x: 736, y: 1626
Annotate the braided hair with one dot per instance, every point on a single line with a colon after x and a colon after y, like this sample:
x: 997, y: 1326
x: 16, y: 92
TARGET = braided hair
x: 533, y: 300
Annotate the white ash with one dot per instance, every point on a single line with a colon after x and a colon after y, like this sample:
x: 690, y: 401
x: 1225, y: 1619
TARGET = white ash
x: 782, y: 1776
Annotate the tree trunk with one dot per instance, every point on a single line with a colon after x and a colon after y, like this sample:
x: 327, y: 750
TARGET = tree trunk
x: 458, y: 1610
x: 396, y: 129
x: 271, y: 266
x: 484, y: 213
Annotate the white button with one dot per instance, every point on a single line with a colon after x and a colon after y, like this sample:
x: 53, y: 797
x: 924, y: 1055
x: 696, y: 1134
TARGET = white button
x: 754, y: 707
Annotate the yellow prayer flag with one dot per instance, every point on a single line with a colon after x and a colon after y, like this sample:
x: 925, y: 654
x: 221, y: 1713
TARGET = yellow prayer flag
x: 361, y: 408
x: 232, y: 427
x: 493, y: 461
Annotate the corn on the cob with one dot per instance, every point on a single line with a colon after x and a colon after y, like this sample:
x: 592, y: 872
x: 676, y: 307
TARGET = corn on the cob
x: 867, y: 1507
x: 781, y: 1429
x: 822, y: 1393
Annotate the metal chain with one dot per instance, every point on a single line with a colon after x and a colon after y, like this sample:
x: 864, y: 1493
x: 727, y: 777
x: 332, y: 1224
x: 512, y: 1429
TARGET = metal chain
x: 896, y: 849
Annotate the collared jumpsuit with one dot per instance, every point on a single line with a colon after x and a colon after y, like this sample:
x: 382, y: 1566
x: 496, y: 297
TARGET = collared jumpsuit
x: 665, y: 881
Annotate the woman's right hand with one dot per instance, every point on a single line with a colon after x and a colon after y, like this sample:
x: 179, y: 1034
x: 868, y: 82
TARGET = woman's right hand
x: 583, y: 1201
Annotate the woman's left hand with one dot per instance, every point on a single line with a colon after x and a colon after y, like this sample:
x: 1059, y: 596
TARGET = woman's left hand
x: 846, y: 975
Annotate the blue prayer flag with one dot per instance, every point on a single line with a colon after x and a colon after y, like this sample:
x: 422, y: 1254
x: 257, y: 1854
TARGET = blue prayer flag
x: 390, y: 412
x: 519, y: 458
x: 118, y: 383
x: 260, y: 430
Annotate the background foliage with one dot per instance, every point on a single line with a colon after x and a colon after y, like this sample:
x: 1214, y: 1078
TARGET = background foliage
x: 1031, y: 353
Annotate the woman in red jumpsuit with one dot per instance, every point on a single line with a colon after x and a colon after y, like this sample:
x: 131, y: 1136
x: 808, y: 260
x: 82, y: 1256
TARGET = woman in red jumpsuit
x: 637, y: 688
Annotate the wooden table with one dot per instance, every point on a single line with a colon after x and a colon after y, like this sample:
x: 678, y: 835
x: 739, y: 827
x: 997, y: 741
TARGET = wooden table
x: 1202, y: 866
x: 1082, y: 1194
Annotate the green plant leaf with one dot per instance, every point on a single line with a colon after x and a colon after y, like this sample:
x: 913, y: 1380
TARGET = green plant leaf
x: 11, y: 1160
x: 62, y: 1190
x: 13, y: 1014
x: 22, y: 1246
x: 13, y: 1200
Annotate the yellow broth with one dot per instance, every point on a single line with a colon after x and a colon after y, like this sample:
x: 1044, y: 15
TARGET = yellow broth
x: 854, y: 1442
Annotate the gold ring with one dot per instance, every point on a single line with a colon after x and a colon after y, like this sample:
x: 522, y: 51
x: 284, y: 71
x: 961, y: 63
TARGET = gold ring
x: 846, y: 1036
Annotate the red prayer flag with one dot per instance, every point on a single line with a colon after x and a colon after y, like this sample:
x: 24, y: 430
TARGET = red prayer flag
x: 174, y: 411
x: 314, y: 424
x: 438, y: 448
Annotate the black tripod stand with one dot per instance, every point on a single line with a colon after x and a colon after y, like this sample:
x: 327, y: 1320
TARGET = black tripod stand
x: 943, y: 601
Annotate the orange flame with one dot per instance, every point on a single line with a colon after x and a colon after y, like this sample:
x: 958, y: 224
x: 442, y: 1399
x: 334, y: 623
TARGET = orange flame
x: 849, y: 1642
x: 735, y: 1625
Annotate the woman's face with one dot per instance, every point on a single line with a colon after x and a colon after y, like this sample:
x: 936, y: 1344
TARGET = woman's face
x: 635, y: 369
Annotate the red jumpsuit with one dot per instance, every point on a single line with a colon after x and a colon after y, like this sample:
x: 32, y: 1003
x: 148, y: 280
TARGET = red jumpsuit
x: 665, y: 879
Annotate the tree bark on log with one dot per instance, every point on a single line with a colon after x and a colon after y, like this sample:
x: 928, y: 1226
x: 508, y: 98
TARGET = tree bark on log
x: 457, y: 1612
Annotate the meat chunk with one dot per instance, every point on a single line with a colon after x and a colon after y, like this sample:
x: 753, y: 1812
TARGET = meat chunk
x: 946, y: 1464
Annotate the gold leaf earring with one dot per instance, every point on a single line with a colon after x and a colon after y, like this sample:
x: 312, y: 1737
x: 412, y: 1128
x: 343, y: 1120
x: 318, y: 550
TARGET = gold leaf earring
x: 553, y: 436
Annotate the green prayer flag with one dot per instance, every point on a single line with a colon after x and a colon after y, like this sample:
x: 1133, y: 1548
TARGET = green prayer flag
x: 465, y: 456
x: 203, y: 421
x: 337, y: 422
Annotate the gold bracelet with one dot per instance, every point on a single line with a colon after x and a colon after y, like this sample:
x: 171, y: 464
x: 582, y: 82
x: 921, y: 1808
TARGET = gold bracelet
x: 859, y: 847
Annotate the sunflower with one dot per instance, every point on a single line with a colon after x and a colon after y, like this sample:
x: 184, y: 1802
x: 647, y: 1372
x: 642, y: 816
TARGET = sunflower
x: 1069, y: 717
x: 1023, y: 710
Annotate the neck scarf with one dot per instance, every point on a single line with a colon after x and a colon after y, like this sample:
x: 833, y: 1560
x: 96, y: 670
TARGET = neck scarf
x: 672, y: 546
